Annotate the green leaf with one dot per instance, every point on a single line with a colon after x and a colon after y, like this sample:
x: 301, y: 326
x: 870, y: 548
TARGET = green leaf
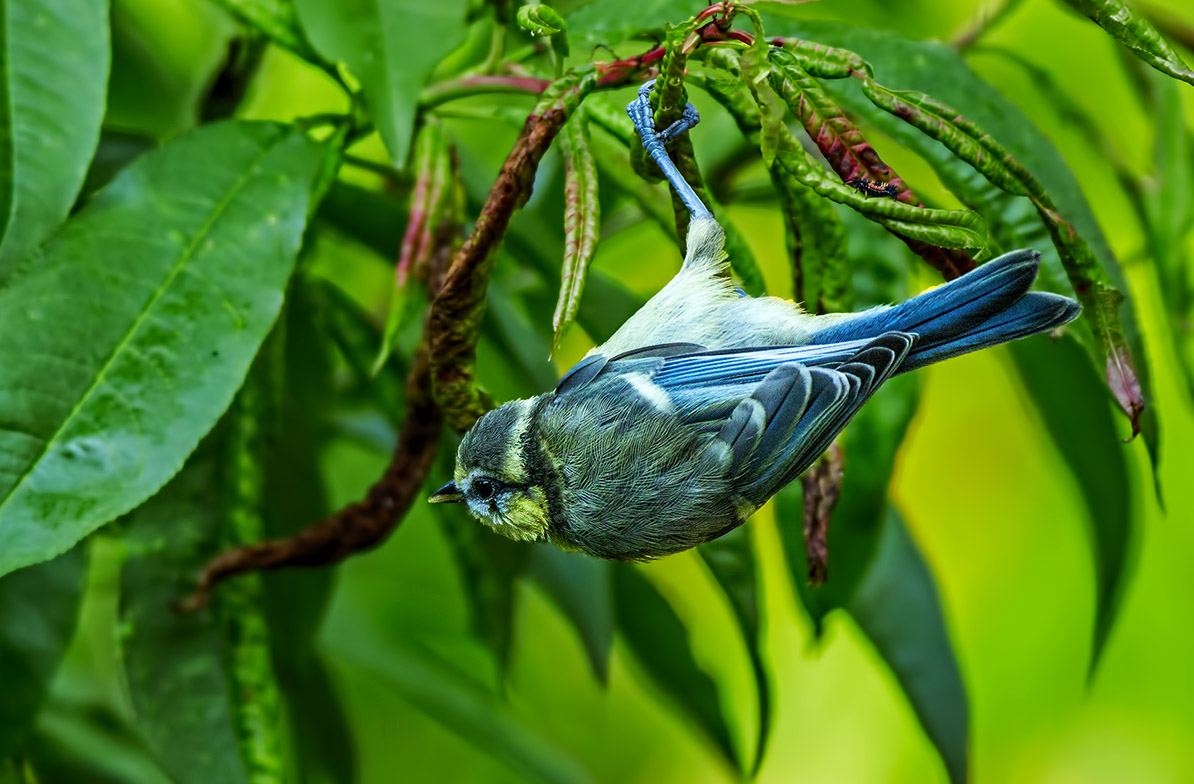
x: 461, y: 706
x: 582, y: 220
x: 174, y: 662
x: 897, y: 605
x: 297, y: 425
x: 125, y: 337
x: 1136, y: 33
x: 1075, y: 411
x: 53, y: 80
x: 38, y: 609
x: 611, y: 22
x: 657, y: 638
x: 277, y: 20
x: 732, y: 563
x: 391, y: 46
x: 87, y: 741
x: 870, y: 444
x: 582, y: 588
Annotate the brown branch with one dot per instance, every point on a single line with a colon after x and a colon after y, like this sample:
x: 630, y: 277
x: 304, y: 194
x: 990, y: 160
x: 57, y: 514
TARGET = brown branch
x: 822, y: 484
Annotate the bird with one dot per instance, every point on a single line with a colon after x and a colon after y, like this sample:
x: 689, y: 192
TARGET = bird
x: 706, y: 401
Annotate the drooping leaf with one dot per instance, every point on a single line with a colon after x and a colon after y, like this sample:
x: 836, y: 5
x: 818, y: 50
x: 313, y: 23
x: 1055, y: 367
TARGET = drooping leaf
x: 174, y: 662
x: 732, y: 563
x: 657, y: 638
x: 582, y: 220
x: 870, y: 444
x: 1064, y: 388
x: 391, y: 46
x: 296, y: 427
x: 38, y: 609
x: 1136, y: 33
x: 126, y: 335
x: 898, y: 608
x: 582, y: 588
x: 461, y: 706
x: 53, y: 78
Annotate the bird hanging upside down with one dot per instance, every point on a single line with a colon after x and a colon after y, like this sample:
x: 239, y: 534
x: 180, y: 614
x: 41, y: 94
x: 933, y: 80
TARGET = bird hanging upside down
x: 706, y: 402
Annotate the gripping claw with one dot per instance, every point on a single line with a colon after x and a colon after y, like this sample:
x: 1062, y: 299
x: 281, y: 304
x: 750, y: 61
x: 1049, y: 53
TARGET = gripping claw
x: 653, y: 143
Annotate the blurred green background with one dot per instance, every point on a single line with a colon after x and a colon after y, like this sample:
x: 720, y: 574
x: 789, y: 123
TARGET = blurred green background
x: 990, y: 501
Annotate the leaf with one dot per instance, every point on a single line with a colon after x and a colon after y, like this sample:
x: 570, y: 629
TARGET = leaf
x: 277, y: 20
x: 613, y: 21
x: 126, y: 335
x: 391, y: 46
x: 869, y: 444
x: 296, y: 599
x: 582, y: 220
x: 87, y: 741
x: 657, y: 638
x: 38, y: 609
x: 53, y: 79
x: 174, y: 662
x: 1136, y: 33
x: 582, y: 588
x: 1075, y: 412
x: 461, y: 706
x: 897, y: 605
x: 732, y: 563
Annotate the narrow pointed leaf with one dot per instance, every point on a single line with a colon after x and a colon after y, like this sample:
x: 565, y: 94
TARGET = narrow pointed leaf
x: 38, y: 609
x: 898, y: 607
x: 657, y: 638
x: 125, y: 337
x: 277, y: 20
x: 53, y: 78
x: 1062, y: 384
x: 732, y: 563
x: 1136, y: 33
x: 582, y: 220
x: 391, y: 46
x: 582, y: 589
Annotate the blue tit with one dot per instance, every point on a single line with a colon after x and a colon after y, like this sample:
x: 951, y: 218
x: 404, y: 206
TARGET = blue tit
x: 706, y: 402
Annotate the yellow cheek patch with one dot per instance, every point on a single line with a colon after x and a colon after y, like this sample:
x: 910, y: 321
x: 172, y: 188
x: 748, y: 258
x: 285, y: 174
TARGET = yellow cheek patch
x: 526, y: 515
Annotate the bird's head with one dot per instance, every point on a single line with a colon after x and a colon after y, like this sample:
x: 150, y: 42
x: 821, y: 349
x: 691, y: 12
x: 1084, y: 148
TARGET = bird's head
x: 501, y: 474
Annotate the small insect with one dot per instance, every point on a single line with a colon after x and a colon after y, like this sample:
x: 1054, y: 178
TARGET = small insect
x: 868, y: 188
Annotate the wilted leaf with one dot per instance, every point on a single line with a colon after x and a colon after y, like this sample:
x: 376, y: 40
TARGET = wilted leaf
x: 657, y: 638
x: 582, y: 220
x: 391, y: 46
x: 38, y: 609
x: 125, y: 337
x: 53, y: 79
x: 897, y: 605
x: 582, y: 588
x: 732, y: 563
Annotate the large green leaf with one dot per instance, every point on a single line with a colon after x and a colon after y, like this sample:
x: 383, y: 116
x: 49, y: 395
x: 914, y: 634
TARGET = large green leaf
x: 53, y: 77
x: 657, y: 638
x: 126, y: 335
x: 897, y: 605
x: 38, y: 608
x: 391, y: 46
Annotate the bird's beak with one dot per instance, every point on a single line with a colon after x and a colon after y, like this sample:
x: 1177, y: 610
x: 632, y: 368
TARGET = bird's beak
x: 448, y: 494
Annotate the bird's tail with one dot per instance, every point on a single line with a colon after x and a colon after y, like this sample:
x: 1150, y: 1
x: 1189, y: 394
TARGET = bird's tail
x: 984, y: 307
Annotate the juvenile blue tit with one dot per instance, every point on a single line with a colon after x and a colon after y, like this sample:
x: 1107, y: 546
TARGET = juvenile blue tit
x: 706, y: 402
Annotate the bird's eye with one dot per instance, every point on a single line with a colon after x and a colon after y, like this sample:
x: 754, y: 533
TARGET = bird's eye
x: 483, y: 488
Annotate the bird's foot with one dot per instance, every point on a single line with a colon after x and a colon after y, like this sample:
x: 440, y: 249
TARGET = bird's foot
x: 643, y: 118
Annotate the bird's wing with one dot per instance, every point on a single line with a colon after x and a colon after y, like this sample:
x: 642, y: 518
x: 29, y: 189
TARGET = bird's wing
x: 792, y: 412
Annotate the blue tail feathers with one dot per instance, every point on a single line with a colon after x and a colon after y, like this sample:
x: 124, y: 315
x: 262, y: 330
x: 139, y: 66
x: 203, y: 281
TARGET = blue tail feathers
x: 984, y: 307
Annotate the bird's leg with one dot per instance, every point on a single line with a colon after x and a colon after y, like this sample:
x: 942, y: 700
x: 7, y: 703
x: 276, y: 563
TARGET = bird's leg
x: 654, y: 143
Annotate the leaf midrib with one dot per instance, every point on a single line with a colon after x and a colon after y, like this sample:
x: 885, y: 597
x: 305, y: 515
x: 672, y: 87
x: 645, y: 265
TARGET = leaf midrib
x: 187, y: 252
